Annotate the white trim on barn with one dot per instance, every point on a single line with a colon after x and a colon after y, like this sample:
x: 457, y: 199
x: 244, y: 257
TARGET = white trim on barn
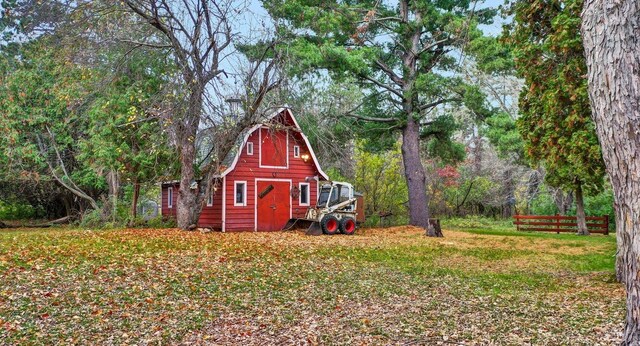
x: 308, y: 194
x: 235, y: 193
x: 257, y: 126
x: 224, y: 203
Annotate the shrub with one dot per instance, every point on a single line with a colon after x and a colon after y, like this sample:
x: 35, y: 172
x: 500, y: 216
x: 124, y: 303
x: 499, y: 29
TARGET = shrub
x: 543, y: 204
x: 16, y: 211
x: 159, y: 222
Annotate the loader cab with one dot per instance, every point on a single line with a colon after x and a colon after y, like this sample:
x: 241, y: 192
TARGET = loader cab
x: 332, y: 194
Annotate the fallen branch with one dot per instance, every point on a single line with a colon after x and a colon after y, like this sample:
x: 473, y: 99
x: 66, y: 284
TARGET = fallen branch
x: 59, y: 221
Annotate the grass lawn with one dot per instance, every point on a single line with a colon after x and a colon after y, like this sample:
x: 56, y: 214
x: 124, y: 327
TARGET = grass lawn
x: 395, y: 286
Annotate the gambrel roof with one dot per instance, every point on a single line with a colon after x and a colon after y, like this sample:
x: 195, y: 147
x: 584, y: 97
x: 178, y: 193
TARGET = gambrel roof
x: 231, y: 159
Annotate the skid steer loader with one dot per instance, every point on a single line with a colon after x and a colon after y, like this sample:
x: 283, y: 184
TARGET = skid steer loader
x: 336, y: 211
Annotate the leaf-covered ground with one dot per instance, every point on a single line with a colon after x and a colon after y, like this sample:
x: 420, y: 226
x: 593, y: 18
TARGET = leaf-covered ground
x: 381, y: 286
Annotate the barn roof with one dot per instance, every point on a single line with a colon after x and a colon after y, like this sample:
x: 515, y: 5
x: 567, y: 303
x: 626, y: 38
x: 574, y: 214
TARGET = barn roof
x: 231, y: 159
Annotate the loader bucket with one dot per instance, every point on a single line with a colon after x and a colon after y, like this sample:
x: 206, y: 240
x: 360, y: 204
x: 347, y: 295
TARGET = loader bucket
x: 292, y: 224
x: 314, y: 229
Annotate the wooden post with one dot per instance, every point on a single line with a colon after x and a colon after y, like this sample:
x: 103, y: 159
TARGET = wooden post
x: 517, y: 222
x: 606, y: 223
x: 557, y: 223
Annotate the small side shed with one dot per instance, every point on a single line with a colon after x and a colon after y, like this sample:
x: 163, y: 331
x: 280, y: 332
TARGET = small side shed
x: 270, y: 176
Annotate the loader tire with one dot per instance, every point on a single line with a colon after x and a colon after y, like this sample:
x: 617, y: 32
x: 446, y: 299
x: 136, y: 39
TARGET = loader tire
x: 329, y: 225
x: 347, y: 225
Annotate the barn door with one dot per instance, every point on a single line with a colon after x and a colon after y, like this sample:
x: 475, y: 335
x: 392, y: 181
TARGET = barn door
x: 273, y: 205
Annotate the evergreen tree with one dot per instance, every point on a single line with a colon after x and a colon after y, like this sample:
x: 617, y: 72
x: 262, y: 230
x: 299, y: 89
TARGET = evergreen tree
x: 555, y: 120
x: 405, y: 54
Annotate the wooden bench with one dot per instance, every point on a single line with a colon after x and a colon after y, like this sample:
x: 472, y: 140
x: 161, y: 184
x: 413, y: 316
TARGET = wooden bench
x: 559, y: 223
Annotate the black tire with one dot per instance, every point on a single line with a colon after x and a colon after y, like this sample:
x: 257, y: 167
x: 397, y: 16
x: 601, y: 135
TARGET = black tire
x: 330, y: 225
x: 347, y: 225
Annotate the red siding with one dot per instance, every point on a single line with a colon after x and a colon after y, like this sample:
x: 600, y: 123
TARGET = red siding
x: 166, y: 211
x: 211, y: 216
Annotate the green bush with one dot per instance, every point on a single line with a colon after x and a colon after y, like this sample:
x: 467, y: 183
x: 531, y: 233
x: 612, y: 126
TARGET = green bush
x: 16, y: 211
x: 543, y: 204
x: 91, y: 219
x: 159, y: 222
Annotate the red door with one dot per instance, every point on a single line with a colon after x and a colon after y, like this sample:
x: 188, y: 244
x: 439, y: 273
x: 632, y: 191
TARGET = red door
x: 274, y: 205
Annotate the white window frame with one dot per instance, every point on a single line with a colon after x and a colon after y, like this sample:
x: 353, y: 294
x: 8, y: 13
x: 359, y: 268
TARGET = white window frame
x: 308, y: 195
x: 210, y: 199
x: 170, y: 197
x: 296, y: 151
x: 249, y: 148
x: 244, y: 193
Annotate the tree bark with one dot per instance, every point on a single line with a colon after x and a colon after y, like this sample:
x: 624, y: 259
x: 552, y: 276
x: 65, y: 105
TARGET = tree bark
x: 134, y: 200
x: 416, y: 178
x: 110, y: 210
x: 187, y: 214
x: 477, y: 151
x: 581, y: 218
x: 610, y: 31
x: 509, y: 193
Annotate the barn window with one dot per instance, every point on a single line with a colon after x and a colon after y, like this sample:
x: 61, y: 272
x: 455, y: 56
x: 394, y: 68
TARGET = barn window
x: 304, y: 194
x: 249, y: 148
x: 296, y: 151
x: 210, y: 199
x: 240, y: 194
x: 170, y: 197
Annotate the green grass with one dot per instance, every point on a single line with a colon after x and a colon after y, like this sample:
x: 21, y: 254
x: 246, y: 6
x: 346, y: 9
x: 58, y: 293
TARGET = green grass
x: 378, y: 287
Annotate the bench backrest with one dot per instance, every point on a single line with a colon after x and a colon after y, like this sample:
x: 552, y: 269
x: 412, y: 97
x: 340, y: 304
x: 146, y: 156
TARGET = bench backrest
x: 560, y: 223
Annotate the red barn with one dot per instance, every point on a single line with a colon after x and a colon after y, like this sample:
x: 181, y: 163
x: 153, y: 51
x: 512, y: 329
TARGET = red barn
x: 269, y: 178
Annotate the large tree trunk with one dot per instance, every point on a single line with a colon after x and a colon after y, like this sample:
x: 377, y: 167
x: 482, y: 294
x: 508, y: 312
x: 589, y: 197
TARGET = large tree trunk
x: 416, y: 178
x: 610, y: 31
x: 187, y: 213
x: 581, y: 218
